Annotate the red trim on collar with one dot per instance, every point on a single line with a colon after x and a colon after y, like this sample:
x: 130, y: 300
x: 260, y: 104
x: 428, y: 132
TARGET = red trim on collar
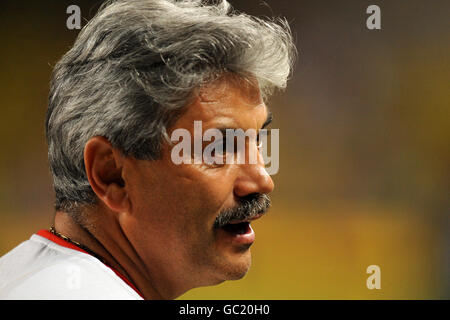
x: 54, y: 238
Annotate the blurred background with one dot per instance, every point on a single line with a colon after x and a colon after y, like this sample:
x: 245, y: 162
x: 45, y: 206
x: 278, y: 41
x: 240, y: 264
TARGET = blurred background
x: 364, y: 125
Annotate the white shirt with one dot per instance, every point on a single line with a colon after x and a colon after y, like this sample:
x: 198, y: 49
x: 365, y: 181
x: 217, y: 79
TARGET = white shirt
x: 47, y: 267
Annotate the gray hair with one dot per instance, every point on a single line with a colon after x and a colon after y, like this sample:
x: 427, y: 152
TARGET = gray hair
x: 134, y: 67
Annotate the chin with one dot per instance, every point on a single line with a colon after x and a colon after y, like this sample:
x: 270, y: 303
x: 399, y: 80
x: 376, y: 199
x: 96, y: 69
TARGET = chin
x: 228, y: 267
x: 237, y: 267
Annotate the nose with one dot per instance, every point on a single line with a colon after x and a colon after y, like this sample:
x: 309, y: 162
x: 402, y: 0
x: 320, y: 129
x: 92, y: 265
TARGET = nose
x: 253, y: 178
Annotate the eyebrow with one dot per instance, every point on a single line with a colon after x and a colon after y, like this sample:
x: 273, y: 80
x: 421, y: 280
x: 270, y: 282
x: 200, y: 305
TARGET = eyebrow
x: 265, y: 124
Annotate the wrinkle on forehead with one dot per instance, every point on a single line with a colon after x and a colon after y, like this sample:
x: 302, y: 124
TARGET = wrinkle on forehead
x: 219, y: 89
x: 228, y: 101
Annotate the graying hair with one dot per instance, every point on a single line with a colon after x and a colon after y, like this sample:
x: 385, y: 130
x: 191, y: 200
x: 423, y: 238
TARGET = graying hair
x: 134, y: 67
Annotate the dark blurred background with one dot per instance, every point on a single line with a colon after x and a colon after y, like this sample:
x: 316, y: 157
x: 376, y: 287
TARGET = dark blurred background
x: 364, y: 140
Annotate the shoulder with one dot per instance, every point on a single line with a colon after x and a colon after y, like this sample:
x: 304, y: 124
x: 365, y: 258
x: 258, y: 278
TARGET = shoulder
x: 41, y: 269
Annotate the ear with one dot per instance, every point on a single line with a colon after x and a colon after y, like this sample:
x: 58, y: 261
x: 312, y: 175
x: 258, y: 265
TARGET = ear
x: 103, y: 165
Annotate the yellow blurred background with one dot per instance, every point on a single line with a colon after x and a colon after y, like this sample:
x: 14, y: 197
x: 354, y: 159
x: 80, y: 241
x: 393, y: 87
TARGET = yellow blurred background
x: 364, y: 142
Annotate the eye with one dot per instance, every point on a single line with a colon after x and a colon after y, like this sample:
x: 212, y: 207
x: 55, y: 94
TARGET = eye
x: 232, y: 148
x: 222, y: 146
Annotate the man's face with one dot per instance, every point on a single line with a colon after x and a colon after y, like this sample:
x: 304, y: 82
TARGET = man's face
x: 174, y: 208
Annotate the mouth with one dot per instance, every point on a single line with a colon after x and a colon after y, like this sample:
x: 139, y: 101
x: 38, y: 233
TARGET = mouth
x: 239, y: 231
x: 237, y: 228
x: 240, y: 226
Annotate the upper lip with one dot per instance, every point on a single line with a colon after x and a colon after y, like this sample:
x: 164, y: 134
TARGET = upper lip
x: 246, y: 220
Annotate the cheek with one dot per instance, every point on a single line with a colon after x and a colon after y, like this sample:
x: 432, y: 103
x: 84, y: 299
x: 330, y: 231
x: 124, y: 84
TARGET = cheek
x: 183, y: 201
x: 199, y: 199
x: 213, y: 189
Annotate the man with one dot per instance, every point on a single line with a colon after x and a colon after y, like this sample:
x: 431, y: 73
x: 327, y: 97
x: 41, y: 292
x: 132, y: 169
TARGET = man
x: 131, y: 222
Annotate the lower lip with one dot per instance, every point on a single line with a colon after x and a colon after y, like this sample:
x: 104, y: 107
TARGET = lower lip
x: 239, y: 239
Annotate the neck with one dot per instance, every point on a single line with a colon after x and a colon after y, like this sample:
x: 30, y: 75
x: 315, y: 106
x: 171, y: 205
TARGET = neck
x: 108, y: 241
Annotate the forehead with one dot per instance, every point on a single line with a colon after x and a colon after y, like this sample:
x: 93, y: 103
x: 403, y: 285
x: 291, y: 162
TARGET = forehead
x: 227, y: 102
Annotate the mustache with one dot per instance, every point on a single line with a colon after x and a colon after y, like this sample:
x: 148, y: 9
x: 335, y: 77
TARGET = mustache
x: 249, y: 207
